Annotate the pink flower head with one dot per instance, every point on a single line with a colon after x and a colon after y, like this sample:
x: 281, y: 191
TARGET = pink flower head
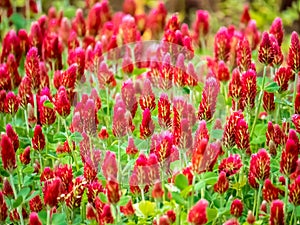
x: 197, y: 214
x: 201, y: 25
x: 129, y: 96
x: 259, y: 168
x: 34, y: 219
x: 129, y: 29
x: 109, y: 166
x: 222, y: 44
x: 131, y: 149
x: 8, y: 153
x: 293, y: 58
x: 231, y: 165
x: 105, y: 76
x: 77, y: 56
x: 78, y: 23
x: 277, y: 213
x: 13, y: 72
x: 11, y: 44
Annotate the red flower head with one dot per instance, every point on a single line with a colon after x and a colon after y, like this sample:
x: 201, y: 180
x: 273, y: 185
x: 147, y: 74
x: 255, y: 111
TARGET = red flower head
x: 73, y: 41
x: 68, y: 77
x: 222, y: 184
x: 277, y: 213
x: 197, y: 214
x: 105, y: 76
x: 243, y: 58
x: 296, y: 122
x: 103, y: 134
x: 24, y: 40
x: 47, y: 113
x: 156, y: 19
x: 62, y: 103
x: 231, y: 165
x: 297, y: 103
x: 270, y: 192
x: 236, y: 208
x: 250, y: 218
x: 129, y: 96
x: 222, y: 44
x: 229, y: 134
x: 201, y: 25
x: 268, y: 102
x: 11, y: 44
x: 24, y: 92
x: 282, y: 76
x: 32, y: 67
x: 293, y: 58
x: 106, y: 215
x: 157, y: 192
x: 13, y: 72
x: 128, y: 29
x: 249, y: 88
x: 25, y: 156
x: 127, y: 64
x: 129, y: 7
x: 266, y: 51
x: 277, y: 30
x: 147, y: 98
x: 223, y: 72
x: 242, y: 137
x: 11, y: 103
x: 131, y: 148
x: 235, y: 86
x: 38, y: 140
x: 208, y: 103
x: 184, y: 133
x: 278, y: 56
x: 51, y: 191
x: 13, y: 136
x: 35, y: 37
x: 7, y: 188
x: 77, y: 56
x: 64, y: 172
x: 5, y: 80
x: 113, y: 192
x: 3, y: 208
x: 127, y: 209
x: 259, y: 168
x: 161, y: 145
x: 8, y: 154
x: 289, y: 157
x: 93, y: 189
x: 35, y: 204
x: 34, y: 219
x: 109, y: 166
x: 164, y: 111
x: 47, y: 174
x: 294, y: 192
x: 52, y: 51
x: 245, y: 17
x: 78, y: 23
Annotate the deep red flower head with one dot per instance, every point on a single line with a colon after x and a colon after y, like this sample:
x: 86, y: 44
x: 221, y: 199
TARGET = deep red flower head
x: 222, y: 44
x: 13, y: 72
x: 11, y: 44
x: 52, y: 190
x: 109, y: 166
x: 73, y: 41
x: 52, y: 51
x: 157, y: 192
x: 127, y: 209
x: 113, y: 192
x: 25, y: 156
x: 8, y: 154
x: 35, y: 204
x: 103, y: 134
x: 77, y: 56
x: 129, y: 7
x: 242, y: 137
x: 64, y: 172
x: 127, y: 64
x: 277, y: 213
x: 38, y: 140
x: 35, y: 37
x: 293, y: 58
x: 78, y: 23
x: 62, y: 103
x: 201, y: 25
x: 7, y: 188
x: 270, y: 192
x: 32, y: 68
x: 24, y: 41
x: 5, y: 80
x: 47, y: 113
x: 197, y: 214
x: 243, y: 57
x: 34, y: 219
x: 131, y: 149
x: 231, y: 165
x: 245, y: 17
x: 236, y: 208
x: 248, y: 88
x: 289, y: 157
x: 13, y: 136
x: 128, y: 29
x: 222, y: 184
x: 266, y: 52
x: 106, y: 215
x: 296, y: 122
x: 68, y: 78
x: 129, y: 96
x: 268, y: 102
x: 235, y: 86
x: 223, y: 72
x: 11, y: 103
x: 156, y: 19
x: 105, y: 76
x: 259, y: 168
x: 229, y: 134
x: 147, y: 98
x: 282, y: 77
x: 164, y: 111
x: 277, y: 30
x: 3, y: 208
x: 294, y: 192
x: 47, y: 174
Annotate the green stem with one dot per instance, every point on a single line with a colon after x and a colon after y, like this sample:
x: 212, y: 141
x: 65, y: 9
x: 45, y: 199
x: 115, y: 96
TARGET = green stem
x: 286, y: 196
x: 291, y: 221
x: 26, y: 121
x: 48, y: 216
x: 19, y: 209
x: 107, y: 105
x: 295, y: 86
x: 255, y: 198
x: 119, y: 162
x: 259, y: 100
x: 258, y: 200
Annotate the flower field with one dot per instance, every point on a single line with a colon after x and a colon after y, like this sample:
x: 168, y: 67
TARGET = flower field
x: 125, y: 118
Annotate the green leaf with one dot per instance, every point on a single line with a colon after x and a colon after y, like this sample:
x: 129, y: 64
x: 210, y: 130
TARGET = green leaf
x: 3, y: 172
x: 48, y: 104
x: 298, y: 211
x: 272, y: 87
x: 181, y: 181
x: 43, y: 216
x: 124, y: 200
x: 76, y: 136
x: 178, y: 198
x: 28, y: 170
x: 59, y: 218
x: 24, y: 192
x: 211, y: 214
x: 217, y: 133
x: 59, y: 137
x: 18, y: 20
x: 199, y: 185
x: 103, y: 197
x: 18, y: 201
x: 35, y: 193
